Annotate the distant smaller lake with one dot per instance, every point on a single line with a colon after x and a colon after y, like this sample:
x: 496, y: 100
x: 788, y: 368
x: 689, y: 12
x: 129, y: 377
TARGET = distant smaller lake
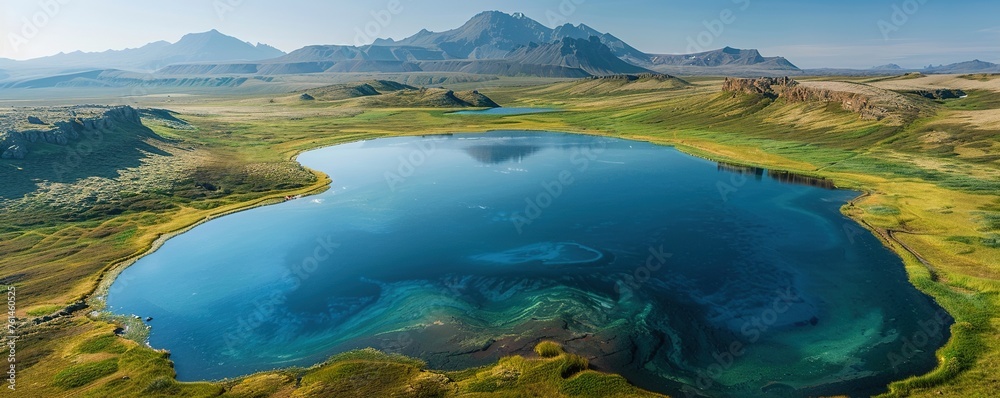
x: 506, y: 111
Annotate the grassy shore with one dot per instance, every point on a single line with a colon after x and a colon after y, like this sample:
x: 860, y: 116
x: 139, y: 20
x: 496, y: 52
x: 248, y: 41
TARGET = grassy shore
x: 933, y: 184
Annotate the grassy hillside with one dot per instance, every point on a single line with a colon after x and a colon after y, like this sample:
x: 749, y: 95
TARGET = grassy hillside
x: 354, y: 90
x: 932, y: 185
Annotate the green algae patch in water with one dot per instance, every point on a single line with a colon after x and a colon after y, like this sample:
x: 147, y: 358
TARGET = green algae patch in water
x: 685, y: 276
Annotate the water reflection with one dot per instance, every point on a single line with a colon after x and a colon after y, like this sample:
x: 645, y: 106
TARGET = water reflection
x: 755, y: 172
x: 628, y: 257
x: 798, y: 179
x: 500, y: 153
x: 781, y: 176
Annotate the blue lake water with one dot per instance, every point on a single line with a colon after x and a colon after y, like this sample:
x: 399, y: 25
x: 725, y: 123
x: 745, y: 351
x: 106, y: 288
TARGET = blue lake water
x: 505, y: 111
x: 681, y: 274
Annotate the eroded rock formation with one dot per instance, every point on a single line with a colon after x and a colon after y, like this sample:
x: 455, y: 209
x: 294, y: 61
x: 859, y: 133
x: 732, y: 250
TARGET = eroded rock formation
x: 869, y: 102
x: 15, y: 138
x: 854, y: 102
x: 770, y: 87
x: 940, y: 94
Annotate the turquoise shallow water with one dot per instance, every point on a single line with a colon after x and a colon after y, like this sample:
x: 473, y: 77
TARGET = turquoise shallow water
x: 686, y: 276
x: 505, y: 111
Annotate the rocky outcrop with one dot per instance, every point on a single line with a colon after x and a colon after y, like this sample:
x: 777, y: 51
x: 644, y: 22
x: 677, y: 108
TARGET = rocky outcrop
x: 940, y: 94
x: 69, y: 310
x: 13, y: 149
x: 15, y: 139
x: 869, y: 102
x: 770, y: 87
x: 854, y: 102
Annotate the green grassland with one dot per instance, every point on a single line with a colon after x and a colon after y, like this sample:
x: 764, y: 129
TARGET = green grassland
x: 932, y: 184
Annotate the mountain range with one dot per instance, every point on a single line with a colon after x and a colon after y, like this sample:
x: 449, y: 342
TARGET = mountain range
x: 974, y: 66
x: 491, y: 43
x: 210, y: 46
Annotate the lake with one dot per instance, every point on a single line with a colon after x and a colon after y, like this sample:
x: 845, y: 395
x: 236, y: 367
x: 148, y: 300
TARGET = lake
x: 679, y: 273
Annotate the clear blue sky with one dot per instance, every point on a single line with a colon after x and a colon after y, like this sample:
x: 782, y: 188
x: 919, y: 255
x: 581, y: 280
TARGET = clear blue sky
x: 843, y: 33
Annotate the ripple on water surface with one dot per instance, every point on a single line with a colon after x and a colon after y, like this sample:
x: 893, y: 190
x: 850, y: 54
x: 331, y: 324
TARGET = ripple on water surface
x: 674, y: 271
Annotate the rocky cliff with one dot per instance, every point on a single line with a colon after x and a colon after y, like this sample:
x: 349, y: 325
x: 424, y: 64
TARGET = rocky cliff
x: 869, y: 102
x: 854, y: 102
x: 770, y: 87
x: 21, y: 128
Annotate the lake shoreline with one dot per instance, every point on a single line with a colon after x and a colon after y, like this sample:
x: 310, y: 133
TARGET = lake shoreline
x: 107, y: 278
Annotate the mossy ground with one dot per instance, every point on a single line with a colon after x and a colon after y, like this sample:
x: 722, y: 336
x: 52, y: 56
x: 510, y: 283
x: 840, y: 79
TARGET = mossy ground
x: 935, y: 180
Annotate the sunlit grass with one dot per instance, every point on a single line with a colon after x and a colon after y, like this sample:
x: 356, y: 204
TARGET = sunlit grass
x: 946, y: 203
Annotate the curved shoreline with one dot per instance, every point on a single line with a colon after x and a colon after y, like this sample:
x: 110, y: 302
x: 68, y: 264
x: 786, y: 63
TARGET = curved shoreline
x: 98, y: 291
x: 98, y: 294
x: 108, y: 277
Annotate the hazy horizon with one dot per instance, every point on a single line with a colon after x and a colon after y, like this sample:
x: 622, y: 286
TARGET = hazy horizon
x: 845, y: 34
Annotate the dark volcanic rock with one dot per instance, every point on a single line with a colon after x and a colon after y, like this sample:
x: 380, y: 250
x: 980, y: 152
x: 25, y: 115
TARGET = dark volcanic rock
x: 306, y: 97
x: 35, y: 120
